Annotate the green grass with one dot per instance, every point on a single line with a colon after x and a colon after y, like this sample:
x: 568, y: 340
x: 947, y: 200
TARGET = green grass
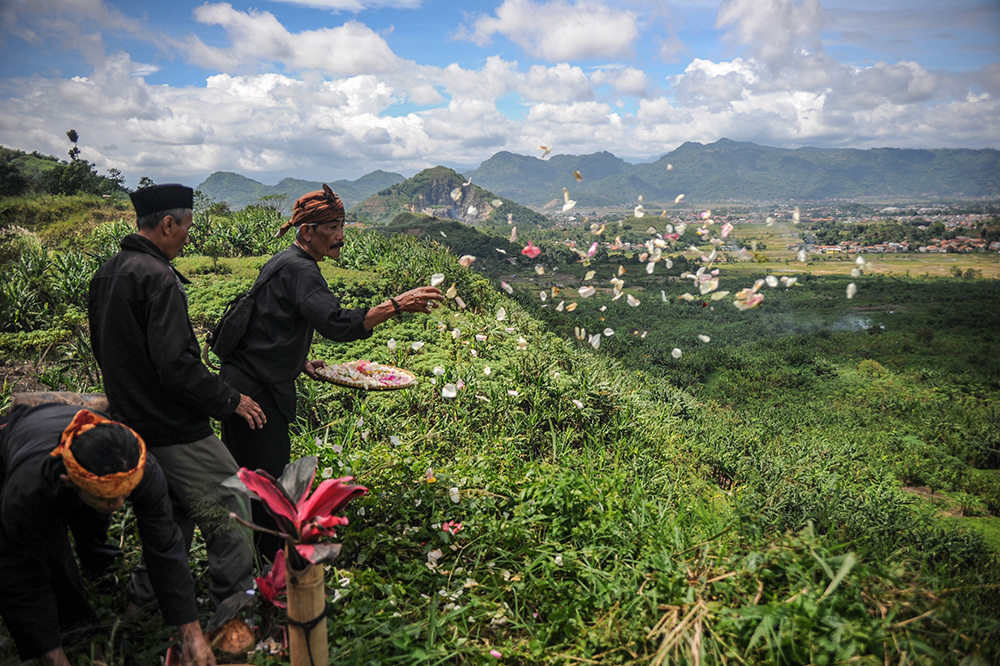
x: 987, y: 526
x: 742, y: 504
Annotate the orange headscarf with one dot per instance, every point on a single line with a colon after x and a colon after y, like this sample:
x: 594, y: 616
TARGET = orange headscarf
x: 119, y: 484
x: 314, y: 208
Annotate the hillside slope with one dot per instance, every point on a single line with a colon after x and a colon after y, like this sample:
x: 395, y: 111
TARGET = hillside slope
x: 443, y: 193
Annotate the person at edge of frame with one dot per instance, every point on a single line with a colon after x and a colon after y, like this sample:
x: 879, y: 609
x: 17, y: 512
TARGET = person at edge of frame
x: 64, y: 469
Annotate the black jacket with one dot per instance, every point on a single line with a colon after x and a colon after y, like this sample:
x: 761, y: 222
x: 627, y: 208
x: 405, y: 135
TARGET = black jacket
x: 295, y: 302
x: 40, y: 585
x: 143, y: 340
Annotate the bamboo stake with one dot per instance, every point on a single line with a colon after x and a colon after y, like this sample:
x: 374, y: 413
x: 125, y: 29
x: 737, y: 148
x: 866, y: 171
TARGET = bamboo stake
x: 307, y: 602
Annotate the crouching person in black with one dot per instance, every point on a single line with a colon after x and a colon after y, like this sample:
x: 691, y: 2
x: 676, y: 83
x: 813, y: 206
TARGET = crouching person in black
x: 62, y: 469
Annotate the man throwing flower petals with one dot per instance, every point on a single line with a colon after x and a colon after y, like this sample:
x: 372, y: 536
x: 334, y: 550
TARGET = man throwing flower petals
x: 293, y: 302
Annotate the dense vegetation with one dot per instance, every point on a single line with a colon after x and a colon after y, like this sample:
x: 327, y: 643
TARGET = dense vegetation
x: 432, y: 190
x: 915, y: 231
x: 817, y: 483
x: 33, y: 173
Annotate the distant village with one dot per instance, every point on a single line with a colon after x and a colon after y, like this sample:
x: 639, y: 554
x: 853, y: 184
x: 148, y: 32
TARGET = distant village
x: 960, y: 231
x: 956, y: 243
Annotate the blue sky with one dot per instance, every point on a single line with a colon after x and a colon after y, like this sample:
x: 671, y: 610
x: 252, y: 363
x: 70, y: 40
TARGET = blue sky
x: 328, y: 89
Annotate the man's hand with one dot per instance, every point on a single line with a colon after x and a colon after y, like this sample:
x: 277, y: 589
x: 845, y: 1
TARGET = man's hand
x: 251, y: 411
x: 312, y: 366
x: 421, y: 299
x: 55, y: 657
x: 195, y: 650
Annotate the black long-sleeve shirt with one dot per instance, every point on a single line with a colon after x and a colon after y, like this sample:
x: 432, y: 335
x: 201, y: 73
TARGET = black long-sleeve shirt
x: 35, y: 557
x: 143, y: 340
x: 293, y: 304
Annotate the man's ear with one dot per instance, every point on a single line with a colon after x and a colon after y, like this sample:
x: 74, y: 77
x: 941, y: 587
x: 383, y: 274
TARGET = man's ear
x: 167, y: 224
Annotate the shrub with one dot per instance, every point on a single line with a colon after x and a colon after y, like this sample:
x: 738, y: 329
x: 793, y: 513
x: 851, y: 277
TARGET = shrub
x: 871, y: 369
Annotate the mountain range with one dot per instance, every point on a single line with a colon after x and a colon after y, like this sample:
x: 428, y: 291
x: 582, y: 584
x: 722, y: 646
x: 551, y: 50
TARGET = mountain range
x: 724, y: 171
x: 239, y: 191
x: 732, y: 171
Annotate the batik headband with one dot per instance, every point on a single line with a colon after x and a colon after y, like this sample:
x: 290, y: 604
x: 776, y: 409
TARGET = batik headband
x: 119, y: 484
x: 315, y: 208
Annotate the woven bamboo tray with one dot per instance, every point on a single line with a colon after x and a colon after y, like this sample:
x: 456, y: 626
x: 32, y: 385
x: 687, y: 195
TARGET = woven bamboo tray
x: 347, y: 383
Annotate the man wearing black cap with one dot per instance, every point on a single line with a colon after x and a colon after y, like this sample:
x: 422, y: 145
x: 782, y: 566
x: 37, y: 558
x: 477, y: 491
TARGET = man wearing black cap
x: 155, y: 381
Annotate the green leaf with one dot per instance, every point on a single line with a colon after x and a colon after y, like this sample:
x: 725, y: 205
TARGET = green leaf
x: 845, y: 568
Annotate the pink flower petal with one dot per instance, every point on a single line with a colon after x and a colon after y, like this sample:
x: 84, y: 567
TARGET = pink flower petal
x: 531, y: 251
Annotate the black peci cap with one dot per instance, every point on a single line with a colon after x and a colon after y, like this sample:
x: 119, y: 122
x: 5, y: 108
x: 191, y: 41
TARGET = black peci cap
x: 157, y: 198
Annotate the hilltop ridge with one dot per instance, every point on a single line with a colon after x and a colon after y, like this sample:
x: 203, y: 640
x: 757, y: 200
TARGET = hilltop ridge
x: 442, y: 192
x: 239, y: 191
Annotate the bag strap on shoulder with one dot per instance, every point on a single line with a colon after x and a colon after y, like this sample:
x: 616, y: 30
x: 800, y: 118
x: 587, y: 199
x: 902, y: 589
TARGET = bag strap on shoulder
x: 273, y: 269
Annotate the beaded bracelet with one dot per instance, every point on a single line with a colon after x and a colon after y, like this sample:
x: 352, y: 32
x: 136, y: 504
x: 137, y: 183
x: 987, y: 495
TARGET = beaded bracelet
x: 399, y: 312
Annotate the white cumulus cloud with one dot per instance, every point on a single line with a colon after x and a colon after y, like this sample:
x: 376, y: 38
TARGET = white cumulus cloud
x: 257, y: 37
x: 354, y: 5
x: 561, y: 83
x: 773, y: 28
x: 626, y: 80
x: 561, y: 30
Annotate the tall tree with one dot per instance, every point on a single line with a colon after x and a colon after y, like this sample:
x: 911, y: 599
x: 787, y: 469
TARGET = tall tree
x: 74, y: 152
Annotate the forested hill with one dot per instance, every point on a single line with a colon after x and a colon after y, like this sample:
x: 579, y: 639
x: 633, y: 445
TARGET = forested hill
x: 443, y: 193
x: 742, y: 172
x: 239, y: 191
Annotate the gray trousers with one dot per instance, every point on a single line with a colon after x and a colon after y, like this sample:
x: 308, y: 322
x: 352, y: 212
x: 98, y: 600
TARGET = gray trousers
x: 194, y: 472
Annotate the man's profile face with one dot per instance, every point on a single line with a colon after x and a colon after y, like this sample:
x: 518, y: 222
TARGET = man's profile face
x: 177, y: 235
x: 327, y: 239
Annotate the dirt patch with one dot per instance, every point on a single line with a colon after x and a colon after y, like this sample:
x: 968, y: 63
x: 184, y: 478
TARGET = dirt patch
x: 946, y: 508
x: 20, y: 377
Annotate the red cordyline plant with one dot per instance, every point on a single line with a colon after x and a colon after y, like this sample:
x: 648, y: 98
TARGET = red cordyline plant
x: 272, y: 585
x: 302, y: 519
